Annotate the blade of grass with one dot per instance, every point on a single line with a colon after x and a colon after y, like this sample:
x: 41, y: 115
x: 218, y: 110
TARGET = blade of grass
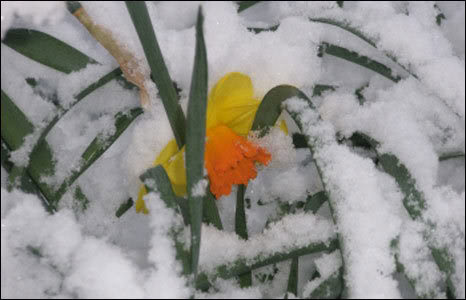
x: 314, y: 202
x: 195, y: 141
x: 25, y: 183
x: 331, y: 288
x: 451, y: 155
x: 14, y: 124
x: 156, y: 180
x: 292, y: 287
x: 46, y: 50
x: 243, y: 5
x: 361, y: 60
x: 98, y: 147
x: 14, y: 128
x: 142, y: 23
x: 245, y: 280
x: 351, y: 29
x: 124, y: 207
x: 271, y: 107
x: 241, y: 266
x: 210, y: 212
x: 415, y: 204
x: 5, y: 157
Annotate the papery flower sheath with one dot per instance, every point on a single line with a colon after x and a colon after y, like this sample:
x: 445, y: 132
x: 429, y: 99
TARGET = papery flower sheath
x: 229, y: 156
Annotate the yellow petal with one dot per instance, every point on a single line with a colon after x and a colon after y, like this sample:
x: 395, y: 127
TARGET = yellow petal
x: 283, y: 127
x: 232, y: 103
x: 175, y: 169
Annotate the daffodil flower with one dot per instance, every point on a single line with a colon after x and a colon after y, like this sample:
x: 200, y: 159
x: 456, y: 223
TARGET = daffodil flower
x: 229, y: 156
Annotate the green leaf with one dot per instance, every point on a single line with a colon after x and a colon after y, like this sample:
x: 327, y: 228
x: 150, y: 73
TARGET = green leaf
x: 245, y: 280
x: 330, y: 288
x: 314, y: 202
x: 210, y: 212
x: 14, y: 128
x: 271, y: 107
x: 98, y: 147
x: 46, y: 50
x: 241, y: 266
x: 156, y: 180
x: 240, y: 214
x: 361, y: 60
x: 257, y: 30
x: 243, y: 5
x: 142, y: 23
x: 124, y: 207
x: 14, y: 124
x: 293, y: 277
x: 451, y: 155
x: 319, y: 89
x: 345, y: 26
x: 413, y: 199
x: 40, y: 144
x: 196, y: 129
x: 5, y: 157
x: 351, y: 29
x: 415, y: 204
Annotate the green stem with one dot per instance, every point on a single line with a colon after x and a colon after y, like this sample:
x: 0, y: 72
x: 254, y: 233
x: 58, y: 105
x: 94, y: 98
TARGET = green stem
x: 242, y: 266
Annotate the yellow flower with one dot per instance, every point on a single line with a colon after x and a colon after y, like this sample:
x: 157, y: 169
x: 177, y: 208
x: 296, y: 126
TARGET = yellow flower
x: 229, y: 156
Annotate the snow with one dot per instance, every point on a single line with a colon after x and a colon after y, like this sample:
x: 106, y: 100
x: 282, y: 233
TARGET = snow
x: 199, y: 189
x: 92, y: 254
x: 32, y: 11
x: 326, y: 265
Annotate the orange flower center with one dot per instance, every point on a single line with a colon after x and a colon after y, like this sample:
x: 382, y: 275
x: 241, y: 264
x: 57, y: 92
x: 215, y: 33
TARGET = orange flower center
x: 230, y: 158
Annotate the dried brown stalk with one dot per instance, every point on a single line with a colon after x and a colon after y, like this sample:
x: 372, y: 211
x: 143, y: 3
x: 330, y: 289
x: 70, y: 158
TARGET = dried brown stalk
x: 128, y: 63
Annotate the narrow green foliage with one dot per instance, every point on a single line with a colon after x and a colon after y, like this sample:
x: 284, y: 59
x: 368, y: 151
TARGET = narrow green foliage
x: 5, y: 157
x: 331, y: 288
x: 210, y: 212
x: 413, y: 199
x: 243, y: 5
x: 293, y: 277
x: 259, y: 30
x: 241, y: 266
x: 14, y: 128
x: 142, y: 23
x: 46, y: 50
x: 114, y: 74
x: 440, y: 15
x: 359, y: 95
x: 23, y: 181
x: 156, y: 180
x: 124, y: 207
x: 415, y: 205
x: 14, y: 124
x: 351, y: 29
x: 240, y: 214
x: 81, y: 203
x: 345, y: 26
x: 98, y: 147
x: 299, y: 140
x: 245, y: 280
x: 271, y: 107
x: 314, y: 202
x: 319, y: 89
x: 196, y: 129
x: 361, y: 60
x: 451, y: 155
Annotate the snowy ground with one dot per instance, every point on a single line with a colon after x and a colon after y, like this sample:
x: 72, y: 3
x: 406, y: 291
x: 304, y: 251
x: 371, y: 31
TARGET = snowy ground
x: 94, y: 254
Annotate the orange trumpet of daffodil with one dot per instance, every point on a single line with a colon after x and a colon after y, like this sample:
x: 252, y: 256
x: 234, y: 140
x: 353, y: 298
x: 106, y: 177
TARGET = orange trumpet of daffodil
x: 229, y: 156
